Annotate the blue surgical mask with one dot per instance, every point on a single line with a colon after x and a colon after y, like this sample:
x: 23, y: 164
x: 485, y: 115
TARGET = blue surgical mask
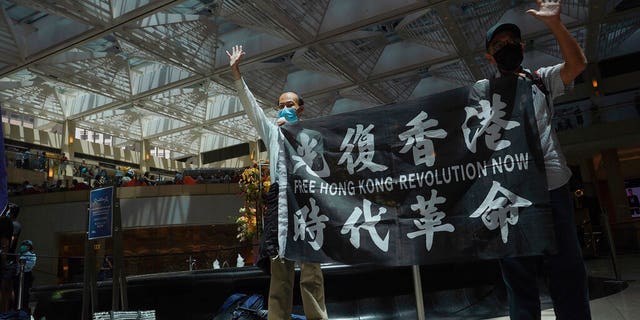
x: 289, y: 114
x: 23, y: 249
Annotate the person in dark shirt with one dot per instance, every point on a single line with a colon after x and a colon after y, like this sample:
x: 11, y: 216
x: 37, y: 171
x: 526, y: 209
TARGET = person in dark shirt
x: 106, y: 269
x: 98, y: 182
x: 567, y: 283
x: 147, y: 180
x: 77, y: 185
x: 9, y: 233
x: 634, y: 203
x: 27, y: 258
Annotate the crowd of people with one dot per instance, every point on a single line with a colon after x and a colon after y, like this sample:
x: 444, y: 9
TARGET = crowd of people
x: 83, y: 176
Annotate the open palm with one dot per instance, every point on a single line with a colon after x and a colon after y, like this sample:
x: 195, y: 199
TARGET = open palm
x: 236, y: 55
x: 547, y: 10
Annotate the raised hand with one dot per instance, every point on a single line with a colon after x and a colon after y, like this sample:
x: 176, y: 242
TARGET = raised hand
x: 234, y: 60
x: 235, y: 56
x: 548, y: 11
x: 574, y: 59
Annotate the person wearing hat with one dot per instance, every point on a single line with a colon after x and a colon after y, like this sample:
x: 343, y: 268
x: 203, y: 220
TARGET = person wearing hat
x: 28, y: 258
x: 566, y: 269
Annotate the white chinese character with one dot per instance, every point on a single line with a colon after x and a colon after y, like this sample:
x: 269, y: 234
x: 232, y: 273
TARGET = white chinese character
x: 353, y: 227
x: 364, y: 140
x: 419, y: 139
x: 310, y: 222
x: 499, y: 211
x: 307, y: 155
x: 432, y: 219
x: 491, y: 123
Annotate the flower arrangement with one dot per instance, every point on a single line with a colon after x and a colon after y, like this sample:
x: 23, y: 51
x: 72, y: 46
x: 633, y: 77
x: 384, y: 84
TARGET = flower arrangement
x: 251, y: 181
x: 247, y: 224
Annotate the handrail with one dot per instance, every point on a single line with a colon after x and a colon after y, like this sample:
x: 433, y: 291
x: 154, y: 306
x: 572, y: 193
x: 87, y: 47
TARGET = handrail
x: 572, y: 116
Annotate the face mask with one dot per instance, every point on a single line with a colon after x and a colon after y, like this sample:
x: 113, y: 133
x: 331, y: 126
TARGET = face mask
x: 289, y: 114
x: 509, y: 57
x: 23, y: 249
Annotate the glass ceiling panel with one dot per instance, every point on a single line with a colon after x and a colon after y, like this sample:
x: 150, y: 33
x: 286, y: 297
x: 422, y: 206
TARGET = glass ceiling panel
x: 164, y: 74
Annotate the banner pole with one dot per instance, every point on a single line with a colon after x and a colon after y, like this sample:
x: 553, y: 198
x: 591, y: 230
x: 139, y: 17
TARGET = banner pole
x: 259, y: 213
x: 89, y: 289
x: 417, y: 286
x: 119, y: 289
x: 21, y: 282
x: 612, y: 248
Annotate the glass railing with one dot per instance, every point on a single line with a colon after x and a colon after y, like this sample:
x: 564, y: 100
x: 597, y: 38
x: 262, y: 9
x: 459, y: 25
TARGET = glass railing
x: 575, y: 116
x: 70, y: 268
x: 66, y: 175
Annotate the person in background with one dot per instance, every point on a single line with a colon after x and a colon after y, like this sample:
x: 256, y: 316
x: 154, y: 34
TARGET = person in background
x: 178, y: 179
x: 26, y: 159
x: 189, y: 180
x: 118, y: 176
x: 42, y: 161
x: 106, y: 269
x: 129, y: 179
x: 83, y: 171
x: 634, y: 204
x: 98, y: 182
x: 27, y: 188
x: 566, y: 269
x: 19, y: 159
x: 80, y: 185
x: 10, y: 230
x: 58, y: 186
x: 146, y: 180
x: 62, y: 168
x: 28, y: 257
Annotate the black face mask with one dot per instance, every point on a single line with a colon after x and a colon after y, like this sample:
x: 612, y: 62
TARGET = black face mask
x: 509, y: 57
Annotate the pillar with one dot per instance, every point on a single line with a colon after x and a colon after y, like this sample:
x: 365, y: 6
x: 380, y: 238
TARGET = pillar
x: 68, y: 138
x: 615, y: 185
x: 589, y: 178
x: 145, y: 156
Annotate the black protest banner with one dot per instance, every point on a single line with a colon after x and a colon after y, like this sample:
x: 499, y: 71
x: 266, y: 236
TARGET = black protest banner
x: 433, y: 180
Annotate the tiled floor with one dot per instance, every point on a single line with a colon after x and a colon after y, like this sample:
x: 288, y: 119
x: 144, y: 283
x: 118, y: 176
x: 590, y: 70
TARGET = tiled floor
x: 624, y: 305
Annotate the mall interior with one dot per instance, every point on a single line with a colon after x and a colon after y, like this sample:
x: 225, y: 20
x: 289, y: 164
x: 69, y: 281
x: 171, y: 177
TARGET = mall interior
x: 139, y: 94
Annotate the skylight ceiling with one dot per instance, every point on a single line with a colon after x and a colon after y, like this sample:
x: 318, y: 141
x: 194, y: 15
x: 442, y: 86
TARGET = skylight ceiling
x: 158, y: 71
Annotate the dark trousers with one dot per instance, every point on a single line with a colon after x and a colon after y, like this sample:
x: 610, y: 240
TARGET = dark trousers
x: 567, y: 274
x: 269, y: 237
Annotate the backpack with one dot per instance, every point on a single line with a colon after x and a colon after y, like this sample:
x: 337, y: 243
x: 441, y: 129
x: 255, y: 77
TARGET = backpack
x: 240, y: 306
x: 14, y: 315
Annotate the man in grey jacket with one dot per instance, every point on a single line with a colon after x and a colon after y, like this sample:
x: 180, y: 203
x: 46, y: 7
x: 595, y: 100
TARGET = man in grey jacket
x: 280, y: 302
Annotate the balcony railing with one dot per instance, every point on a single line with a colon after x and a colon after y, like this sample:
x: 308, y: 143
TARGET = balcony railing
x: 576, y: 116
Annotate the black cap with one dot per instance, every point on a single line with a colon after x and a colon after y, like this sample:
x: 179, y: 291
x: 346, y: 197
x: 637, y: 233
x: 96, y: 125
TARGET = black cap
x: 501, y: 27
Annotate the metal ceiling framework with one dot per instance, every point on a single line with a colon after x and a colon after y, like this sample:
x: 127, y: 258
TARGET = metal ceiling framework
x: 156, y: 70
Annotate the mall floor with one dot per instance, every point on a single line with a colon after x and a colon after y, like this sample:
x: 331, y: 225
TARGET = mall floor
x: 624, y: 305
x: 476, y: 292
